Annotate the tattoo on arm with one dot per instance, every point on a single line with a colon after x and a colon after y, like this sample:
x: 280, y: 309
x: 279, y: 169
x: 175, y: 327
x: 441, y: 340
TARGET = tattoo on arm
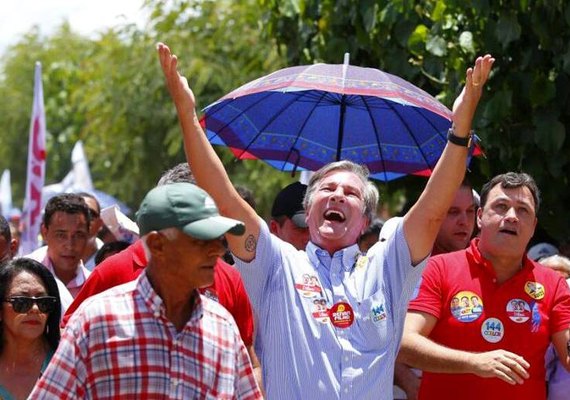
x: 250, y: 244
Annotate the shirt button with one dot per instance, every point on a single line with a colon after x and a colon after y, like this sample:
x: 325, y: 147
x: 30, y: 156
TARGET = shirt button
x: 346, y: 359
x: 156, y: 314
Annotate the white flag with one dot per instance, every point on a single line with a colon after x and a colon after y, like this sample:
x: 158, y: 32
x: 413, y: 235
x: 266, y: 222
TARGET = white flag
x: 5, y: 194
x: 31, y: 218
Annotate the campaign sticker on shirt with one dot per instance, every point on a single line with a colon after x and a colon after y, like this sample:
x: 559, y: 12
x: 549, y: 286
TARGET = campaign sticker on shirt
x: 310, y: 286
x: 341, y: 315
x: 320, y: 312
x: 361, y: 261
x: 492, y: 330
x: 534, y: 290
x: 535, y: 315
x: 377, y: 313
x: 466, y: 306
x: 518, y: 310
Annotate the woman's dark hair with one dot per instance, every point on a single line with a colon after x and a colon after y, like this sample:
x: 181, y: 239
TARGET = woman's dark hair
x: 14, y: 267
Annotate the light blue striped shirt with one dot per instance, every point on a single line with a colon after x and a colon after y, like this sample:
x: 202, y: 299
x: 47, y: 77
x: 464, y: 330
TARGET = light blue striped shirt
x: 303, y: 355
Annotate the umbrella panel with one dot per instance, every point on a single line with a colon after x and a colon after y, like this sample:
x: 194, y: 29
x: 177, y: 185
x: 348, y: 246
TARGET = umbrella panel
x: 303, y: 130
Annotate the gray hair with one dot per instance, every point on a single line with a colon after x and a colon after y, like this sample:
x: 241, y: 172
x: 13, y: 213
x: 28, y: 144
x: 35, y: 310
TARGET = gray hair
x: 371, y: 195
x: 169, y: 233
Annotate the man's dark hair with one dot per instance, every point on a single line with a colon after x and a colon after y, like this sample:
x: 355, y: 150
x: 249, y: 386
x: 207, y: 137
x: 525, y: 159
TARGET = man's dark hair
x: 512, y: 180
x: 69, y: 203
x: 179, y: 173
x: 110, y: 248
x: 5, y: 229
x: 12, y: 268
x: 91, y: 196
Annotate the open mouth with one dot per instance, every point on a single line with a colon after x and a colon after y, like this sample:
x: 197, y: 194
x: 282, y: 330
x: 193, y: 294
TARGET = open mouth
x: 511, y: 232
x: 333, y: 215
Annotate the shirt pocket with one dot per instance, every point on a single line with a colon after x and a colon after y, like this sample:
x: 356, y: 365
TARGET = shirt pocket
x: 374, y: 322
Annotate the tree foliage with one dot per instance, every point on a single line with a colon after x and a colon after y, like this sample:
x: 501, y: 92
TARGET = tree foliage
x: 524, y: 116
x: 110, y: 93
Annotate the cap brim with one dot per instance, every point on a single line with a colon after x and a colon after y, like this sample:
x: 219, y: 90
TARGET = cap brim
x: 299, y: 220
x: 214, y: 227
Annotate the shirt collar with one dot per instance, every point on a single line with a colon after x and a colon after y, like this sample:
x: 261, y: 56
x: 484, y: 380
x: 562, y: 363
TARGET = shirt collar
x: 155, y: 304
x: 81, y: 273
x: 348, y: 255
x: 478, y: 259
x: 139, y: 256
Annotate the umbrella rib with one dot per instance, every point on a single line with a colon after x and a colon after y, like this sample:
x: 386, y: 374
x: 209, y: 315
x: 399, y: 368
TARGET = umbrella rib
x: 376, y: 132
x: 265, y: 96
x: 388, y: 103
x: 295, y: 98
x: 303, y: 127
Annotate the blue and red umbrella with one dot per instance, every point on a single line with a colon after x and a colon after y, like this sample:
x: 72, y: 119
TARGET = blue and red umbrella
x: 301, y: 118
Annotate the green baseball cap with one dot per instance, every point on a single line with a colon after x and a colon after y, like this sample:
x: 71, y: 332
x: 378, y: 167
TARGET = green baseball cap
x: 187, y: 207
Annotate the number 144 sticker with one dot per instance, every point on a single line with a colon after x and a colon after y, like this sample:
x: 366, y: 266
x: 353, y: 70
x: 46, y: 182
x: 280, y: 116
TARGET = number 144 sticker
x: 492, y: 330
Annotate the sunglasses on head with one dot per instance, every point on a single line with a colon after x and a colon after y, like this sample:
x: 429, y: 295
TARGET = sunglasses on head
x: 23, y: 304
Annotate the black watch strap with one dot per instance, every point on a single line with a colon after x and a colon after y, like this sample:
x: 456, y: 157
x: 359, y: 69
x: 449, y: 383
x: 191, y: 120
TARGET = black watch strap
x: 459, y: 141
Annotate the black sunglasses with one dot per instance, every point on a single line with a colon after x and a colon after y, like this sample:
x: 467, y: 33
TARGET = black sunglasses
x: 23, y: 304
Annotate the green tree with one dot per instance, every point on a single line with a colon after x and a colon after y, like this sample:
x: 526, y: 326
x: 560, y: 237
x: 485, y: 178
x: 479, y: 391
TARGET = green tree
x: 110, y: 93
x: 524, y: 116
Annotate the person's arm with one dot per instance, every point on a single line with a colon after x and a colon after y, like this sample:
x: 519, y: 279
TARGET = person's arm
x: 407, y: 380
x: 257, y: 372
x: 422, y: 222
x: 560, y: 341
x: 205, y: 164
x: 418, y: 351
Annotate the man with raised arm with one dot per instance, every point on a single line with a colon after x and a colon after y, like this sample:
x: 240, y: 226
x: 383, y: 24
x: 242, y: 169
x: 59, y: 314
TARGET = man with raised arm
x: 329, y: 321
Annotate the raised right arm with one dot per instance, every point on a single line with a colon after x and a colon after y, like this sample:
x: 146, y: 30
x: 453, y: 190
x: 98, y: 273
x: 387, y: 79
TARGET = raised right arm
x: 205, y: 164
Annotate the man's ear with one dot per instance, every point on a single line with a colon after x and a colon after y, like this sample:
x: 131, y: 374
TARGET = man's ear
x: 479, y: 214
x: 44, y: 231
x: 14, y: 244
x: 273, y: 227
x: 155, y: 243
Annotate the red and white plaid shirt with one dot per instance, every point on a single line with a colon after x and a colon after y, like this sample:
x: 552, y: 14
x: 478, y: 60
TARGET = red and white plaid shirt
x: 120, y: 345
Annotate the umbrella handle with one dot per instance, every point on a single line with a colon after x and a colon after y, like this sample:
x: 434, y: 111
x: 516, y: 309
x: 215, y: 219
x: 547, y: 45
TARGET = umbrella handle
x: 297, y: 159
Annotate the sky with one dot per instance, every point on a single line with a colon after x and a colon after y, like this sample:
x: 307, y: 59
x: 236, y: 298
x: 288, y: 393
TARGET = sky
x: 85, y: 16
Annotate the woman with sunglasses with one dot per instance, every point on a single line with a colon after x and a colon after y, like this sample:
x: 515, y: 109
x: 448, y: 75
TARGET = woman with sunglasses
x: 29, y: 325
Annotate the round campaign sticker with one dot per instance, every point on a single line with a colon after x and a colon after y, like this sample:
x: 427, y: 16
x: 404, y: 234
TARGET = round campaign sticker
x: 534, y: 290
x: 492, y: 330
x: 341, y: 315
x: 466, y: 306
x: 309, y: 287
x: 518, y: 310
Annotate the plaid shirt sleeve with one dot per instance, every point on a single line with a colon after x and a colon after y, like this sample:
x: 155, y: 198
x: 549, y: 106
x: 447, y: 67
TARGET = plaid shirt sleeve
x: 246, y: 385
x: 64, y: 376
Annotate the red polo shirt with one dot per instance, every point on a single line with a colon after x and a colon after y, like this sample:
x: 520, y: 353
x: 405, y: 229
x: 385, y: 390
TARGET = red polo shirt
x: 127, y: 265
x: 477, y: 314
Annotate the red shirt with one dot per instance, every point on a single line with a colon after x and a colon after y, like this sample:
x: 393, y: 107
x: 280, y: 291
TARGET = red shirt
x: 127, y: 265
x: 476, y: 314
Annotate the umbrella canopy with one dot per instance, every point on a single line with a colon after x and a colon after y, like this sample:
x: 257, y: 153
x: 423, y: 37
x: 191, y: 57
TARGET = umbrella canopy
x: 301, y: 118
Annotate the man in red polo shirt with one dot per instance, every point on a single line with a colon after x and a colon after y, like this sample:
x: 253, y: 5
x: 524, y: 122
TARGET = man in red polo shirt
x: 488, y: 313
x: 127, y: 265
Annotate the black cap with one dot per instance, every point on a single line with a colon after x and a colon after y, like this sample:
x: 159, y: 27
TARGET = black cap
x: 289, y: 203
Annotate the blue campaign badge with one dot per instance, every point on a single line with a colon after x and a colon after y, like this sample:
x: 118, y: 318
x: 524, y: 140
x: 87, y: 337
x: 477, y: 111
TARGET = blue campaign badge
x: 377, y: 313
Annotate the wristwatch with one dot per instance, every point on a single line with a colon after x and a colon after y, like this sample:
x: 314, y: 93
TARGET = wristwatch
x: 459, y: 141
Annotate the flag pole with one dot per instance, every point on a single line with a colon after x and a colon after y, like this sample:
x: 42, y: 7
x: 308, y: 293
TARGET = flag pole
x: 35, y: 178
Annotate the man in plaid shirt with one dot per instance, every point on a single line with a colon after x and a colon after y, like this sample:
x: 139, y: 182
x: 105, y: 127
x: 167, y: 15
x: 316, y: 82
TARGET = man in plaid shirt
x: 157, y: 337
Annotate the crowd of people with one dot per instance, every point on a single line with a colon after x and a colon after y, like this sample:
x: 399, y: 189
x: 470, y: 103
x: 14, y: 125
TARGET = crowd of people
x: 323, y: 301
